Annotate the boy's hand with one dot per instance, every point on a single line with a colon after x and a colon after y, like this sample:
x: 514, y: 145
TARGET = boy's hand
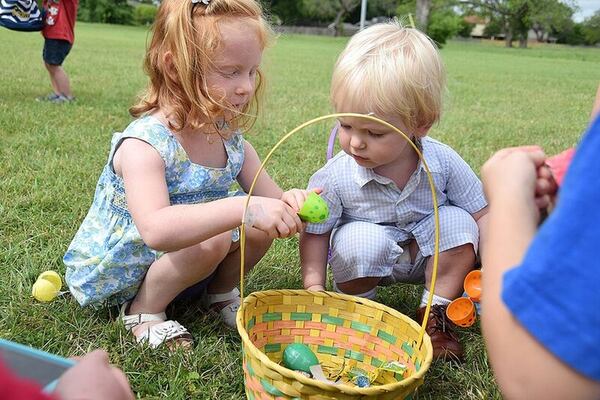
x: 316, y: 288
x: 519, y: 172
x: 295, y: 198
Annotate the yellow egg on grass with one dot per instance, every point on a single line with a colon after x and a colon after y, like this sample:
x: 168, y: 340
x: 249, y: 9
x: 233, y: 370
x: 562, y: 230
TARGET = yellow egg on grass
x: 47, y: 286
x: 53, y: 277
x: 44, y: 290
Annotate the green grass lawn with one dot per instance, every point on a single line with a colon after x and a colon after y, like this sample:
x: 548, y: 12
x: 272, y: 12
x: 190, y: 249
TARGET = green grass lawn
x: 51, y: 156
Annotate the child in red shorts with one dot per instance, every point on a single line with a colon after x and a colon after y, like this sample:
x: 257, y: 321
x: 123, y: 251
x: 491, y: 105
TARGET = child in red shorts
x: 59, y: 35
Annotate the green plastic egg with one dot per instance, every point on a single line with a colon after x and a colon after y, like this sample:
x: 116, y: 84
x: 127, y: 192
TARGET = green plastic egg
x: 299, y: 357
x: 314, y: 209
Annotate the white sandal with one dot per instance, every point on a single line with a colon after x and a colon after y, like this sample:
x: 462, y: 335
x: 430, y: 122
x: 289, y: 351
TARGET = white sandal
x: 229, y: 311
x: 157, y: 334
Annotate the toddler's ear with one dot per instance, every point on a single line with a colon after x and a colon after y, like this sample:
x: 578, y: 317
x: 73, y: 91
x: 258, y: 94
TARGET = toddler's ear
x: 422, y: 131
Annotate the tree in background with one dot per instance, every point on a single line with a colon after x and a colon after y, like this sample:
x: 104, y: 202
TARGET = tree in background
x: 327, y: 9
x: 439, y: 20
x: 144, y: 14
x: 513, y: 14
x: 287, y: 12
x: 494, y: 27
x: 551, y: 16
x: 465, y: 28
x: 377, y: 8
x: 572, y: 35
x: 442, y: 20
x: 519, y: 16
x: 336, y: 12
x: 423, y: 8
x: 591, y: 28
x: 107, y: 11
x: 444, y: 24
x: 382, y: 7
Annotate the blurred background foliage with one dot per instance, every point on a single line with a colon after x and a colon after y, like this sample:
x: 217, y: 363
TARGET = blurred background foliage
x: 508, y: 20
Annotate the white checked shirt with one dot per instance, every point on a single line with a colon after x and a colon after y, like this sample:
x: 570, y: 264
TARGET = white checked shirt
x: 355, y: 193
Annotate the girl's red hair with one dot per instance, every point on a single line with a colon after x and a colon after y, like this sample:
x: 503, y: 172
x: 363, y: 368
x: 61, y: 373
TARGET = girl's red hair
x: 189, y: 32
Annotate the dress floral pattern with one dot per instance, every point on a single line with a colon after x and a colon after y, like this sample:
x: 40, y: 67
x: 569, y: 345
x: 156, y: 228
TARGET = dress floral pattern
x: 107, y: 259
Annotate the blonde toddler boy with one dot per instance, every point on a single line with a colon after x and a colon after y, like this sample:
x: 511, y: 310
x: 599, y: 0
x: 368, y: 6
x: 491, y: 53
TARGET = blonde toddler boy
x: 381, y: 227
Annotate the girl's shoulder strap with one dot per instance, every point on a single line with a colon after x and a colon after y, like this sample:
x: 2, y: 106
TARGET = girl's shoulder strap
x: 234, y: 146
x: 236, y: 140
x: 150, y: 130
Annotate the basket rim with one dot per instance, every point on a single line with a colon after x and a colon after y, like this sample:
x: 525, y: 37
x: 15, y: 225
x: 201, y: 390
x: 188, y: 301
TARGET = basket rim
x: 344, y: 388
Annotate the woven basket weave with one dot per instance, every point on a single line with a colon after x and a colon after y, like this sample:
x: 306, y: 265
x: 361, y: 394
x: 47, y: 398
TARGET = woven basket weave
x: 339, y: 329
x: 336, y: 327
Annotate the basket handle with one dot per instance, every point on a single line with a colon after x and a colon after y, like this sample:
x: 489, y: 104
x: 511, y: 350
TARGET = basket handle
x: 431, y: 186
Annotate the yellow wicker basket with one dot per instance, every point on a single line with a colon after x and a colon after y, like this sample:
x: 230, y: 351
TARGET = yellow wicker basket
x: 341, y: 330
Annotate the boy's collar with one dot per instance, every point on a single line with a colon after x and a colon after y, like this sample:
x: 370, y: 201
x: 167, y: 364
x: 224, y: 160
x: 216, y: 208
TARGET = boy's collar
x: 363, y: 175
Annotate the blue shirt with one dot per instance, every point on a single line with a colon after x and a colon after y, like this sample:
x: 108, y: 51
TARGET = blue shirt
x: 555, y: 292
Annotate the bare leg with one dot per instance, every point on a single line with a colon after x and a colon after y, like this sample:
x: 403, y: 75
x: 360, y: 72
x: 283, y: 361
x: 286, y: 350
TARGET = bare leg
x: 59, y: 80
x: 52, y: 79
x: 453, y: 265
x: 176, y: 271
x: 359, y: 286
x: 228, y: 273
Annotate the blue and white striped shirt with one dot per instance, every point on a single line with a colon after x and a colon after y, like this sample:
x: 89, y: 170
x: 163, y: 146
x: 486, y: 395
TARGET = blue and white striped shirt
x: 355, y: 193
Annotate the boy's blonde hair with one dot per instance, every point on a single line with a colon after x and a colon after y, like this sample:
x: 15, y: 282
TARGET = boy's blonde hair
x: 190, y: 33
x: 391, y: 71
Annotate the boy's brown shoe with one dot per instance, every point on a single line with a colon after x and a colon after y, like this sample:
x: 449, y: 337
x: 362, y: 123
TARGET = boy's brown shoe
x: 443, y: 339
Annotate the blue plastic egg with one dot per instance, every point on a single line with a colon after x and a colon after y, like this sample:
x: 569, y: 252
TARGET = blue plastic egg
x: 362, y: 381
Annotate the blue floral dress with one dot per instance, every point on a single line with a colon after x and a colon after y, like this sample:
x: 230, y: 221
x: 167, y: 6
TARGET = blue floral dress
x: 107, y: 259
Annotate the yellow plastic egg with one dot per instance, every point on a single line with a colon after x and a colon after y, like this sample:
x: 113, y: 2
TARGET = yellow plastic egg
x: 53, y: 277
x: 44, y: 290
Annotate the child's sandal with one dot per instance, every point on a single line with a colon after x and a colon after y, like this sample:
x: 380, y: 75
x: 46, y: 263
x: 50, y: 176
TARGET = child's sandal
x: 230, y: 303
x: 164, y: 332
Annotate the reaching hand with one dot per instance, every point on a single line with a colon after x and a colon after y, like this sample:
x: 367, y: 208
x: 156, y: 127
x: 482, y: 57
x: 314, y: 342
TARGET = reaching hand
x: 272, y: 216
x: 519, y: 172
x: 94, y: 378
x: 296, y: 197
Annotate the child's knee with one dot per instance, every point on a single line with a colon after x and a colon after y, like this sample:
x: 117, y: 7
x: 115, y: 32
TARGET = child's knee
x: 357, y: 256
x: 363, y: 287
x: 258, y: 238
x: 455, y: 220
x: 211, y: 251
x: 459, y: 233
x: 52, y: 68
x: 357, y: 246
x: 465, y: 250
x: 463, y: 255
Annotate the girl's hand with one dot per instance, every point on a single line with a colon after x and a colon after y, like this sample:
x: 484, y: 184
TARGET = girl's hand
x: 295, y: 198
x: 316, y: 288
x: 272, y: 216
x: 519, y: 172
